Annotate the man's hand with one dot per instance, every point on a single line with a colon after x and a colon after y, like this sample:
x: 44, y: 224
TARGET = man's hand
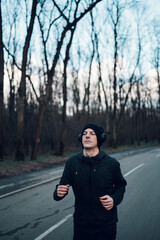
x: 62, y: 190
x: 107, y: 202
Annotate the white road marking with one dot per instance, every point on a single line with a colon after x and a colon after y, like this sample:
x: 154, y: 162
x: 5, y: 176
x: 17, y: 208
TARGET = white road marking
x: 134, y: 169
x: 28, y: 187
x: 50, y: 180
x: 54, y: 227
x: 158, y: 155
x: 57, y: 171
x: 43, y: 235
x: 8, y: 185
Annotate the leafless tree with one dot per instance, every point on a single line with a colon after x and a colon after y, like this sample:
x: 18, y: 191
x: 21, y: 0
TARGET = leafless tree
x: 68, y: 79
x: 155, y: 61
x: 76, y: 92
x: 87, y: 85
x: 70, y: 24
x: 63, y: 126
x: 11, y: 48
x: 1, y: 84
x: 20, y: 152
x: 115, y: 11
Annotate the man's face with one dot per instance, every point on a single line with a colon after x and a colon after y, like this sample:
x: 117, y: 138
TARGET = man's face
x: 89, y: 139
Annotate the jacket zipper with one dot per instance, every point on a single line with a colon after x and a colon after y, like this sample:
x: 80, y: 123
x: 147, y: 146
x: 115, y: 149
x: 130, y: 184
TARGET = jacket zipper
x: 90, y: 189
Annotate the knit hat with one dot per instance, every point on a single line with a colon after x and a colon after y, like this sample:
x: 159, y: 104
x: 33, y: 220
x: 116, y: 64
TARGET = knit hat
x: 99, y: 131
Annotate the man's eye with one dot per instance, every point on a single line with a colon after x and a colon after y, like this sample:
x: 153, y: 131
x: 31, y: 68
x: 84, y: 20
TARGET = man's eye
x: 90, y: 133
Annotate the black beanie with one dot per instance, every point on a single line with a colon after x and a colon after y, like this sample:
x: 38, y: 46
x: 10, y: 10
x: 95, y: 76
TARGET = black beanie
x: 99, y: 131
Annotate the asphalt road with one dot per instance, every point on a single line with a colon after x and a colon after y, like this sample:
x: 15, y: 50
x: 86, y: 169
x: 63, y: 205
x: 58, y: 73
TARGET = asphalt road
x: 31, y: 214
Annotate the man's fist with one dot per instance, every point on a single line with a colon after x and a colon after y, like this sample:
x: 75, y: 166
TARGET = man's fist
x: 107, y: 202
x: 62, y: 190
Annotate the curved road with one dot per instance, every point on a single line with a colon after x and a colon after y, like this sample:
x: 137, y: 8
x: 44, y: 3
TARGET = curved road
x: 32, y: 213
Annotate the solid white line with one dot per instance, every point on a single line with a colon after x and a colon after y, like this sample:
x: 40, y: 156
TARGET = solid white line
x: 28, y: 187
x: 43, y: 235
x: 50, y: 180
x: 53, y: 227
x: 8, y: 185
x: 134, y: 169
x: 57, y: 171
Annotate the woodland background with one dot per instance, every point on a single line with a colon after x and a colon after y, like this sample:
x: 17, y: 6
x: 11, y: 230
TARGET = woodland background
x: 64, y: 63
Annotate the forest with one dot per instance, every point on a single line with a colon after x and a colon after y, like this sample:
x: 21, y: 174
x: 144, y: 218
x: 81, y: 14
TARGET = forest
x: 65, y: 63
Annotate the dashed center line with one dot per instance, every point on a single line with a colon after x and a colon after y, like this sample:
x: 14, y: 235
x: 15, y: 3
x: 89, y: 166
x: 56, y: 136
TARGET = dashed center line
x: 134, y: 169
x: 53, y: 227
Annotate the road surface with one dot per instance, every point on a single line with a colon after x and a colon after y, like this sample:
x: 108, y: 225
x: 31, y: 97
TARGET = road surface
x: 28, y: 212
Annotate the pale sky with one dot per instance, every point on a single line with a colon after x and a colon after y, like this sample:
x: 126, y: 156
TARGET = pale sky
x: 153, y: 5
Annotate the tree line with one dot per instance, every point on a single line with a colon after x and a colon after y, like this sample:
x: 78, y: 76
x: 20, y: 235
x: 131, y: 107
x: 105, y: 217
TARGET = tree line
x: 66, y: 63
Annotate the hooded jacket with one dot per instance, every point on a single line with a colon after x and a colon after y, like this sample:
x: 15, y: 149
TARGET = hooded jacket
x: 91, y: 178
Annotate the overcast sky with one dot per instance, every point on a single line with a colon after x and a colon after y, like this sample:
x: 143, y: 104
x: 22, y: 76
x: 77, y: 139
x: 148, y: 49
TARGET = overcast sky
x: 155, y: 5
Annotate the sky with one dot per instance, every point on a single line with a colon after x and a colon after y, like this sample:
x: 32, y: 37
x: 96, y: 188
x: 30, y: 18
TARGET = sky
x: 153, y: 5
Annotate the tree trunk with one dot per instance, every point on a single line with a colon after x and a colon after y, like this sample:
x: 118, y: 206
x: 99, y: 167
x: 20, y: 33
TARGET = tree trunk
x: 63, y: 129
x: 51, y: 73
x: 114, y: 136
x: 46, y: 96
x: 115, y: 88
x: 20, y: 151
x: 1, y: 85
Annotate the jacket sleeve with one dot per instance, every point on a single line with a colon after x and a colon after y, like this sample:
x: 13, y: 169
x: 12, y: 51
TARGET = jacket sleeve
x: 119, y: 185
x: 65, y: 179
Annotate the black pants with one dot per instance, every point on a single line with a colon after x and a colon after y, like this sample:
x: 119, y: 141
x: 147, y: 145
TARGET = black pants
x: 108, y: 234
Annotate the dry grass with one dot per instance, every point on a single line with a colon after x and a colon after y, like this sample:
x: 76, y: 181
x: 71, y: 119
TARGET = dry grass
x: 11, y: 168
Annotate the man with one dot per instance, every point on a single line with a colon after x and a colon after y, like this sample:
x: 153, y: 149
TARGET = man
x: 98, y: 186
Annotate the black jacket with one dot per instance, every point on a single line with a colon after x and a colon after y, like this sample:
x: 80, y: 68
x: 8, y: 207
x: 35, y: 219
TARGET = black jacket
x: 90, y: 179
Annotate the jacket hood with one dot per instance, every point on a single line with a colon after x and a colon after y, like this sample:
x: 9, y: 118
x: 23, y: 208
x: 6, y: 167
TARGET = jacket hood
x: 98, y: 157
x: 90, y: 160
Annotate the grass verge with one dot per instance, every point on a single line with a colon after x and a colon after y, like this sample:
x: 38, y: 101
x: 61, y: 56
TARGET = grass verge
x: 11, y: 168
